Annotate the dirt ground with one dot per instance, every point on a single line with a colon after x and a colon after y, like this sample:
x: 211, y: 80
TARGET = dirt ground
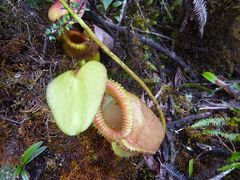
x: 29, y: 61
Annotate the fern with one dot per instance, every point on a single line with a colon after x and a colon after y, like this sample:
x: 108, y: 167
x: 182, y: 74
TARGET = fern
x: 171, y: 169
x: 230, y: 166
x: 228, y: 136
x: 234, y: 157
x: 217, y: 122
x: 234, y: 164
x: 175, y: 4
x: 200, y: 12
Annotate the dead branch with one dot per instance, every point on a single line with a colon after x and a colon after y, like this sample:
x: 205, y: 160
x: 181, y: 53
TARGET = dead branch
x: 171, y: 54
x: 219, y: 106
x: 187, y: 120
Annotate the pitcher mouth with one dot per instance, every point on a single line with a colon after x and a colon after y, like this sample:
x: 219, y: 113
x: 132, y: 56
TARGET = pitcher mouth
x: 114, y: 117
x: 76, y: 40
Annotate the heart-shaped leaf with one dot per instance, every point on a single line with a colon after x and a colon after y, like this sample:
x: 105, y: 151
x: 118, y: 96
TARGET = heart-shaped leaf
x: 74, y: 97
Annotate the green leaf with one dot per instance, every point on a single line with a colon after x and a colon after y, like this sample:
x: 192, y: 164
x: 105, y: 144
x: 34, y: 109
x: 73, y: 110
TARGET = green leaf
x: 106, y: 3
x: 117, y: 4
x: 228, y: 136
x: 151, y: 66
x: 75, y: 5
x: 48, y: 31
x: 74, y: 97
x: 26, y: 156
x: 190, y: 168
x: 148, y: 2
x: 54, y: 26
x: 16, y: 172
x: 36, y: 153
x: 65, y: 18
x: 52, y: 38
x: 24, y: 175
x: 229, y: 166
x: 67, y: 27
x: 210, y: 77
x: 234, y: 157
x: 60, y: 32
x: 60, y: 21
x: 70, y: 26
x: 214, y: 121
x: 117, y: 18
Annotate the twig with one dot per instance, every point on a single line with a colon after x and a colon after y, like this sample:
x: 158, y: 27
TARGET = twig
x: 13, y: 7
x: 228, y: 89
x: 116, y: 59
x: 44, y: 46
x: 171, y: 54
x: 164, y: 150
x: 12, y: 121
x: 172, y: 147
x: 222, y: 106
x: 224, y: 144
x: 188, y: 14
x: 152, y: 33
x: 214, y: 150
x: 148, y: 102
x: 187, y: 120
x: 167, y: 10
x: 33, y: 48
x: 124, y: 5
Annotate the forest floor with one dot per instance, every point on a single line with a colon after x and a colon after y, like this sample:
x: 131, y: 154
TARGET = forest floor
x: 29, y: 61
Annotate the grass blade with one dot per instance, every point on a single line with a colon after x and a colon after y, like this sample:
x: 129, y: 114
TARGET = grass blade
x: 36, y: 153
x: 29, y: 152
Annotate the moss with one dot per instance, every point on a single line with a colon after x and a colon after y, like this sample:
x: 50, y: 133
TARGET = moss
x: 196, y: 136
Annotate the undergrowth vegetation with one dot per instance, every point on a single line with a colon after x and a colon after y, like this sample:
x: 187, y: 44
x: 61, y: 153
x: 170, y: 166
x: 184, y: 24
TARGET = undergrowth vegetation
x: 174, y: 113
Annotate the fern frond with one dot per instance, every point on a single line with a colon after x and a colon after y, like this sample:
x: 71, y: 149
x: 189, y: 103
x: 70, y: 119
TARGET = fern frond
x: 217, y: 122
x: 200, y: 12
x: 234, y: 157
x: 175, y: 4
x: 221, y: 175
x: 230, y: 166
x: 228, y: 136
x: 171, y: 169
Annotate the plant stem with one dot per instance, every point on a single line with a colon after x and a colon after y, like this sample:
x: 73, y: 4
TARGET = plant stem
x: 116, y: 59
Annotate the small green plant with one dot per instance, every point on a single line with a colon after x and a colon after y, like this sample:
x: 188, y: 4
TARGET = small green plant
x: 61, y: 19
x: 114, y: 4
x: 190, y: 168
x: 216, y: 124
x: 28, y: 155
x: 231, y: 89
x: 210, y: 77
x: 233, y: 162
x: 215, y: 127
x: 57, y: 28
x: 106, y: 3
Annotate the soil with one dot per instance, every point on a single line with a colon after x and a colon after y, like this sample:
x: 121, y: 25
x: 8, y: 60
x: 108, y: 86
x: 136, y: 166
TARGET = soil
x: 29, y: 61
